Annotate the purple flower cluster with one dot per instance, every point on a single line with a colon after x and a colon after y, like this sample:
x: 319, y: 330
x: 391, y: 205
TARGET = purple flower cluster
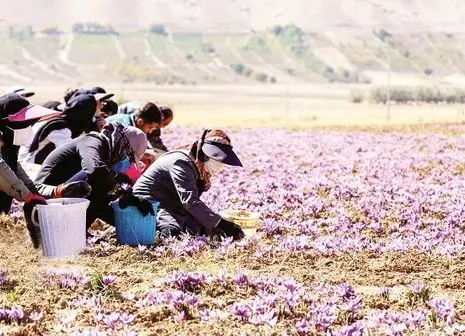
x: 347, y: 192
x: 419, y: 291
x: 17, y: 314
x: 88, y: 332
x: 186, y: 280
x: 322, y: 193
x: 315, y: 309
x: 443, y: 310
x: 86, y: 302
x: 63, y: 278
x: 173, y: 298
x: 187, y: 246
x: 114, y: 320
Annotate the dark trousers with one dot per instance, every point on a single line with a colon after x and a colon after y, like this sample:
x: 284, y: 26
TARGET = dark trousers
x: 99, y: 207
x: 173, y: 224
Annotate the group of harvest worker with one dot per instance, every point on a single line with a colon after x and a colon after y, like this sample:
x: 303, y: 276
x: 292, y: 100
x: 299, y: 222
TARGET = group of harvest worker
x: 86, y: 146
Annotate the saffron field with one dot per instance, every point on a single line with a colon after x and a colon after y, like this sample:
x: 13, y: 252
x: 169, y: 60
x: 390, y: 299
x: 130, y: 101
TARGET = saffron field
x: 362, y: 233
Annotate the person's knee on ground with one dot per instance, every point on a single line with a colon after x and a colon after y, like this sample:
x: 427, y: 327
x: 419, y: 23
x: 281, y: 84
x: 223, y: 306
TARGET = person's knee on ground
x: 167, y: 232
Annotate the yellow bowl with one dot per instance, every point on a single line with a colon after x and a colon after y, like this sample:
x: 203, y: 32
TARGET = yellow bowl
x: 247, y: 220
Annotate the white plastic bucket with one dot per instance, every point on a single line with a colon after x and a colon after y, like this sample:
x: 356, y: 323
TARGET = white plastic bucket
x: 63, y: 226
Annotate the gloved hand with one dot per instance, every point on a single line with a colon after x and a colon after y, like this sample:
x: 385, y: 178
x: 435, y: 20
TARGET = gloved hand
x: 229, y: 229
x: 30, y: 202
x: 78, y: 189
x: 102, y: 180
x: 144, y: 206
x: 122, y: 178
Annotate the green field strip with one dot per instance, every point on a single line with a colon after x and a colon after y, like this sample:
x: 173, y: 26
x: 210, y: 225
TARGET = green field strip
x: 93, y: 49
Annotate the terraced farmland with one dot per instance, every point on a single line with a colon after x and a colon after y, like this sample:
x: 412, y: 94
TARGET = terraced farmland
x: 286, y: 56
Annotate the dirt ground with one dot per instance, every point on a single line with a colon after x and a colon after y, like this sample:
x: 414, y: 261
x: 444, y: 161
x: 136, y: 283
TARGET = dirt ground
x: 137, y: 270
x: 275, y: 106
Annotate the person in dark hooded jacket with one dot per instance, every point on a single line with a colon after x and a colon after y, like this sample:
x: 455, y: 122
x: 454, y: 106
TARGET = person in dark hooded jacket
x: 76, y: 119
x: 17, y: 116
x: 91, y: 158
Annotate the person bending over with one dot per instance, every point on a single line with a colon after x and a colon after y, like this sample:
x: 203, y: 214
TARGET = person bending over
x: 177, y: 180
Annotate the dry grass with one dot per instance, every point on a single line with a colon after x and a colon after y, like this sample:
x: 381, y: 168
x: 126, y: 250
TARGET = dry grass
x: 136, y: 272
x: 304, y: 107
x: 314, y: 114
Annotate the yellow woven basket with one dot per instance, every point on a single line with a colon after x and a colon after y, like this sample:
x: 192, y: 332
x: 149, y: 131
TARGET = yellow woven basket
x: 247, y: 220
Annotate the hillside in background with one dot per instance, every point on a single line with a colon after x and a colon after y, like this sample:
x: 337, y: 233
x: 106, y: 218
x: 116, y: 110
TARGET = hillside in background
x: 232, y: 41
x: 199, y: 15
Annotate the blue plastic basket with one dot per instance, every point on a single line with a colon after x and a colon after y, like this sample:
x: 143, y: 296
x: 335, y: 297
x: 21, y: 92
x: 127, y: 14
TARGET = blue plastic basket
x: 132, y: 228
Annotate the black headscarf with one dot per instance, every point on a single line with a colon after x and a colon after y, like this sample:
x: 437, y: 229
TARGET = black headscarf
x: 11, y: 104
x: 77, y: 117
x: 117, y: 143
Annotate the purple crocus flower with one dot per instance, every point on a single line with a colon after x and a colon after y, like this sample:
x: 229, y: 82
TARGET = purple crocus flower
x: 418, y: 287
x: 385, y: 292
x: 303, y: 327
x: 111, y: 319
x: 109, y: 280
x: 181, y: 316
x: 324, y: 315
x: 16, y: 313
x: 241, y: 279
x: 352, y: 305
x: 35, y: 316
x: 3, y: 314
x: 443, y: 308
x: 242, y: 311
x: 345, y: 290
x: 126, y: 318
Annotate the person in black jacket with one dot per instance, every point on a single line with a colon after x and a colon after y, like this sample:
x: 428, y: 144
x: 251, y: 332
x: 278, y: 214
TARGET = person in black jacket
x: 86, y: 156
x: 17, y: 116
x: 76, y: 119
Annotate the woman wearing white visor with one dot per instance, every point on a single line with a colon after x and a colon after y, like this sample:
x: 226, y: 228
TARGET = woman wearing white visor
x: 17, y: 116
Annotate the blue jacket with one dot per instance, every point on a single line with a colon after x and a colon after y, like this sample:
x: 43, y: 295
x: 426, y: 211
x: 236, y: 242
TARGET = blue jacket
x: 124, y: 119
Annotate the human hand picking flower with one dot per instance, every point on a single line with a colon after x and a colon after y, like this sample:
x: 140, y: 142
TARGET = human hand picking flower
x: 78, y: 189
x: 30, y: 202
x: 229, y: 229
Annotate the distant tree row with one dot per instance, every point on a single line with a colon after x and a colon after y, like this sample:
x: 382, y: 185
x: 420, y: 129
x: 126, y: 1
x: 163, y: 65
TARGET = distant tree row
x: 409, y: 95
x: 382, y: 34
x: 245, y: 71
x: 93, y: 28
x: 158, y: 29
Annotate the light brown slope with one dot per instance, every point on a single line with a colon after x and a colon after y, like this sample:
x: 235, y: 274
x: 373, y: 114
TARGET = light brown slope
x: 241, y: 14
